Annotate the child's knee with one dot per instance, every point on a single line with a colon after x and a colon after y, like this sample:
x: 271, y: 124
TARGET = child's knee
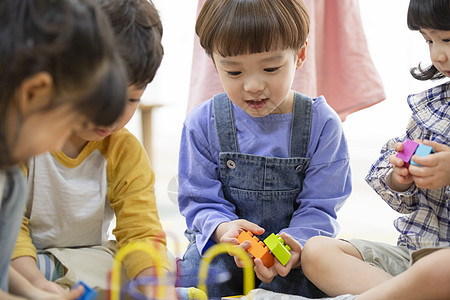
x: 321, y: 252
x: 314, y: 251
x: 430, y: 269
x: 315, y: 245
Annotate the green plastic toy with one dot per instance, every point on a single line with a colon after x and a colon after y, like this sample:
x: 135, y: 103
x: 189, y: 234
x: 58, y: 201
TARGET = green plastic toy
x: 278, y: 248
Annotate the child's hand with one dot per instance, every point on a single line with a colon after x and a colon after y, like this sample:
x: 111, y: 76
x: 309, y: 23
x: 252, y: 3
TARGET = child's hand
x: 228, y: 232
x: 27, y: 267
x: 296, y: 253
x: 434, y: 172
x: 48, y: 286
x: 43, y: 295
x: 267, y: 274
x: 399, y: 179
x: 263, y: 273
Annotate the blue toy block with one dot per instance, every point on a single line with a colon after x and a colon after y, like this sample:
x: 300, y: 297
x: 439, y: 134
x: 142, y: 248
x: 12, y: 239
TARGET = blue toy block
x: 89, y: 293
x: 422, y: 150
x: 409, y: 147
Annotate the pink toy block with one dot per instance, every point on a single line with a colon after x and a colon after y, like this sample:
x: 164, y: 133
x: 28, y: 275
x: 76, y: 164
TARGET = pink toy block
x: 409, y: 147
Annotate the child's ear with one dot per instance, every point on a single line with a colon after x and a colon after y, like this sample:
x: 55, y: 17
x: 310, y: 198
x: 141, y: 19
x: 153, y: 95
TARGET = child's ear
x: 301, y: 56
x: 35, y: 92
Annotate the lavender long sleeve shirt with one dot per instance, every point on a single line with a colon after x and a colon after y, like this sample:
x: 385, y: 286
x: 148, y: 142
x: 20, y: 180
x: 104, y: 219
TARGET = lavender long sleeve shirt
x: 326, y: 186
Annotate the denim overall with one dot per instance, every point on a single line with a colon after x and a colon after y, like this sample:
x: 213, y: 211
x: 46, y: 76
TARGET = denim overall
x: 264, y: 191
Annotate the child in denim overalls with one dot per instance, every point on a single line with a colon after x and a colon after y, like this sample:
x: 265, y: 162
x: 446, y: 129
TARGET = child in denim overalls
x: 260, y: 157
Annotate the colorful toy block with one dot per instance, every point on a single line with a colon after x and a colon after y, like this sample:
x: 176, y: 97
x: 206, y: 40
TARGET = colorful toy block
x: 276, y: 244
x: 258, y: 248
x: 89, y: 293
x: 409, y: 147
x: 422, y: 150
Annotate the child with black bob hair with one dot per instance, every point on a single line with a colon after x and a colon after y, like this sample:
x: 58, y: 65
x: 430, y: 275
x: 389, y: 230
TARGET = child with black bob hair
x: 59, y: 74
x: 100, y: 173
x: 260, y: 157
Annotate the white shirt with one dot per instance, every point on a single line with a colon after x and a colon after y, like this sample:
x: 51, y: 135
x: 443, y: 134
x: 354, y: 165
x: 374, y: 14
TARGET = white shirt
x: 60, y: 216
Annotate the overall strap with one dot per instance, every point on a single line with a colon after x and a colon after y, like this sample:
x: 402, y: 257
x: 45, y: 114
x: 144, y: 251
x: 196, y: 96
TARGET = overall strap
x: 301, y: 125
x: 223, y: 117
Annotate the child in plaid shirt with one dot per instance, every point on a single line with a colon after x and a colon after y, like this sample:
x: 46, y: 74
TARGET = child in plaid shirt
x: 418, y: 267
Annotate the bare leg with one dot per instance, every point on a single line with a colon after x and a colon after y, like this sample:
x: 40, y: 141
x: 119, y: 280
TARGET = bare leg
x: 336, y: 267
x: 428, y: 278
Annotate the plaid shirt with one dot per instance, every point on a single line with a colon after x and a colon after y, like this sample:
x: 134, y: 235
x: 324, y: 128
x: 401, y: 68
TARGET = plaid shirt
x: 426, y: 220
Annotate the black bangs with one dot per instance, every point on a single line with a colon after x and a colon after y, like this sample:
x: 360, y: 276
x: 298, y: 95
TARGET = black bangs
x: 236, y: 27
x: 244, y: 33
x: 433, y: 14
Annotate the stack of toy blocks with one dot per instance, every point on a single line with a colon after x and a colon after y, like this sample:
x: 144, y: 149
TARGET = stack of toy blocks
x: 258, y: 248
x: 272, y: 246
x: 278, y: 248
x: 411, y: 148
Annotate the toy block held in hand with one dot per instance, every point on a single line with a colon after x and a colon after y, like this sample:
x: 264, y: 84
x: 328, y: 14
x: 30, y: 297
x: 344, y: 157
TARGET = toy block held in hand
x: 422, y: 150
x: 89, y: 293
x: 409, y: 147
x: 278, y: 247
x: 258, y: 248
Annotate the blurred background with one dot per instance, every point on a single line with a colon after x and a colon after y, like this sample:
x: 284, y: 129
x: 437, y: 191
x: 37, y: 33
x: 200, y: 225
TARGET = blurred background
x: 394, y: 50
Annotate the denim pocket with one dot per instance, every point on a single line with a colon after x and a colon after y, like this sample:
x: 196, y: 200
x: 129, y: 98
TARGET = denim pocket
x: 272, y: 210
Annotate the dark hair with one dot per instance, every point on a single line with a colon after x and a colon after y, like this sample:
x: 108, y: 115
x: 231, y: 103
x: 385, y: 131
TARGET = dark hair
x: 235, y: 27
x: 434, y: 14
x: 138, y: 30
x: 72, y: 41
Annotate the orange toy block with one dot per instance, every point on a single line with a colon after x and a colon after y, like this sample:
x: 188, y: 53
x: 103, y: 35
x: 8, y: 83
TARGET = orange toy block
x: 258, y: 248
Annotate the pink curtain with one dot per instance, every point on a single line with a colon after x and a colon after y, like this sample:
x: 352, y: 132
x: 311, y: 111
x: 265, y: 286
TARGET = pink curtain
x: 338, y: 63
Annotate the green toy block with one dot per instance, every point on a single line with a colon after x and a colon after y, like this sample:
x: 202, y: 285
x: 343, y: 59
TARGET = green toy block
x: 278, y: 248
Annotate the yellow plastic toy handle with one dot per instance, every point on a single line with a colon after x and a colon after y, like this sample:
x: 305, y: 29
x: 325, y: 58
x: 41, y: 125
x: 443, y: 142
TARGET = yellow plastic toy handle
x: 196, y: 294
x: 249, y: 276
x: 117, y: 264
